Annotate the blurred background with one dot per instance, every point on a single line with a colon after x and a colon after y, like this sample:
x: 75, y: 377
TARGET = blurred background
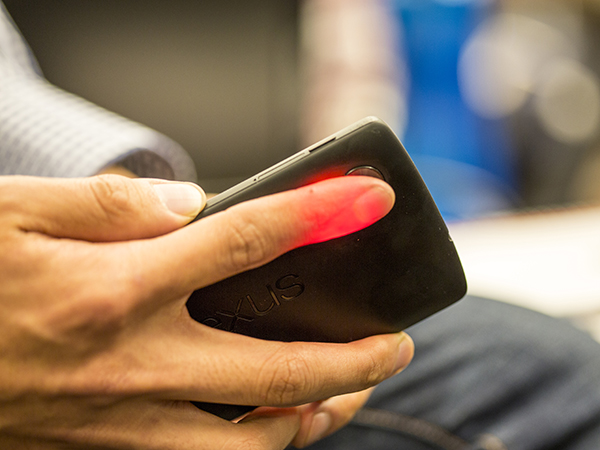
x: 502, y: 96
x: 497, y: 102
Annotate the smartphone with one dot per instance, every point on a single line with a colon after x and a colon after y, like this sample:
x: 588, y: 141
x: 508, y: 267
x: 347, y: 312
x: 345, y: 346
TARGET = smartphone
x: 380, y: 279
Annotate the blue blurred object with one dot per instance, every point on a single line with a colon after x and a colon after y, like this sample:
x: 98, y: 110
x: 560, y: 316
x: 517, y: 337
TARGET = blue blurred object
x: 464, y: 158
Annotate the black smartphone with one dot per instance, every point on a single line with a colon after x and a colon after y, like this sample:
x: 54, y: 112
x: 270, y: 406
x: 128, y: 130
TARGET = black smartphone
x: 380, y: 279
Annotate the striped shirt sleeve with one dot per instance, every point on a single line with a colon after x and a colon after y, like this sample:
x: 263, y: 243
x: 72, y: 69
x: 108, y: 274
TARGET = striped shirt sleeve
x: 46, y: 131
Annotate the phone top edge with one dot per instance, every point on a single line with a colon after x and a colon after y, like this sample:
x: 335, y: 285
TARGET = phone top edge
x: 296, y: 156
x: 356, y: 125
x: 343, y: 132
x: 250, y: 181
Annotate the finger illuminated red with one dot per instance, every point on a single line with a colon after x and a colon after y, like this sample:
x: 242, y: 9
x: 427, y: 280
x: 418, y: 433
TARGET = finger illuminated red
x: 255, y: 232
x: 351, y: 204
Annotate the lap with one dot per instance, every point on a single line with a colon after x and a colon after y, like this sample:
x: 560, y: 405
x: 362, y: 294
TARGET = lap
x: 491, y: 373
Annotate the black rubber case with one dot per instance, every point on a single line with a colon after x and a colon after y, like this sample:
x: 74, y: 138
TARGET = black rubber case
x: 381, y: 279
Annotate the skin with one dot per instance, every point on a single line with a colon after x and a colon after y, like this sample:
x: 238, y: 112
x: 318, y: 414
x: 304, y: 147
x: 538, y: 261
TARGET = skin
x: 97, y: 348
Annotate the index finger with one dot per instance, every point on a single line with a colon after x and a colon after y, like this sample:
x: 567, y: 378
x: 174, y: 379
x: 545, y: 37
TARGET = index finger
x: 255, y: 232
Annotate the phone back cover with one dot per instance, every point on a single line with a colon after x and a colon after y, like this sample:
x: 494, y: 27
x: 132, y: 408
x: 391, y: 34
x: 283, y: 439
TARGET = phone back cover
x: 381, y: 279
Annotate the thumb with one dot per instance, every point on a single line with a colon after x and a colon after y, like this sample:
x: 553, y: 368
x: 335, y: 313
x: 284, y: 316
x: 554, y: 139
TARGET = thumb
x: 100, y: 208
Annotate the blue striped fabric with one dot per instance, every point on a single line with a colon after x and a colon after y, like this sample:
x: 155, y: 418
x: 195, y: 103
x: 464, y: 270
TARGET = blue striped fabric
x: 46, y: 131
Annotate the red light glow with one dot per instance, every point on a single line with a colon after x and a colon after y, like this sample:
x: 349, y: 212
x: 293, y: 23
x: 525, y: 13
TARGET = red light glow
x: 350, y: 204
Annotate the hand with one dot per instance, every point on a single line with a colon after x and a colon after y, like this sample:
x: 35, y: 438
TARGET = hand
x: 320, y: 419
x: 97, y: 348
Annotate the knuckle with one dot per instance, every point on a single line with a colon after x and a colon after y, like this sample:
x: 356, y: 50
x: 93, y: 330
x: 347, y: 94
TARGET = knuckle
x: 92, y: 320
x: 88, y: 319
x: 286, y: 379
x: 248, y: 245
x: 377, y: 367
x: 114, y: 195
x: 375, y: 374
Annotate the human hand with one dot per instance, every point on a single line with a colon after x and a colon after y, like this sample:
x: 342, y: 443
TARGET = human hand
x: 97, y: 348
x: 320, y: 419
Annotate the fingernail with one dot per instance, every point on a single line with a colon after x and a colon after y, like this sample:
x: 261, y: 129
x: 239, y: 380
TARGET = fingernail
x: 374, y: 204
x: 321, y: 423
x: 405, y: 352
x: 185, y: 199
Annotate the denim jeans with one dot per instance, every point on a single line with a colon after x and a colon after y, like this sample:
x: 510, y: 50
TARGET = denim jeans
x: 486, y: 375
